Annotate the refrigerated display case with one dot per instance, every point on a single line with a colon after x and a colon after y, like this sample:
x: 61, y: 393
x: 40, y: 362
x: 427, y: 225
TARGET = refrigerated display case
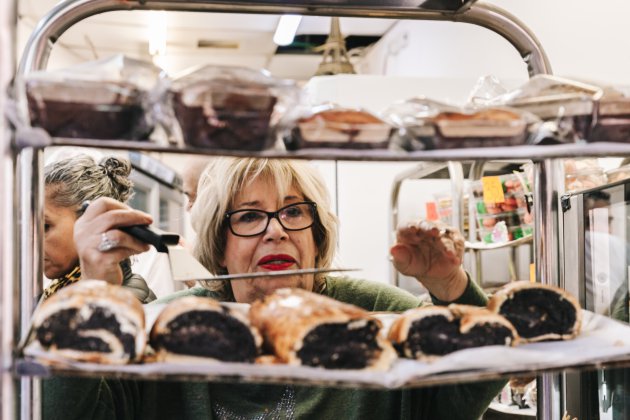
x: 596, y: 267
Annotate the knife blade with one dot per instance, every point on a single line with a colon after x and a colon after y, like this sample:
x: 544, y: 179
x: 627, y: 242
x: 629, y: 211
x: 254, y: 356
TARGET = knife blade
x: 282, y: 273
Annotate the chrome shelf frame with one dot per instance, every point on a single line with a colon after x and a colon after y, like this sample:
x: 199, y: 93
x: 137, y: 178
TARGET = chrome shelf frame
x: 26, y: 267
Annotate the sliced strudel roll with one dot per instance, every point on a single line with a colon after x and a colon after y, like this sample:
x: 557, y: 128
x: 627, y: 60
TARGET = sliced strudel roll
x: 538, y: 312
x: 429, y: 332
x: 199, y: 327
x: 304, y: 328
x: 91, y: 321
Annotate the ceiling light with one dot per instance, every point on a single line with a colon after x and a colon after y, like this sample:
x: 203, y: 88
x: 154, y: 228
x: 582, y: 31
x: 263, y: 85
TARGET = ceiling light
x: 287, y: 27
x: 157, y: 32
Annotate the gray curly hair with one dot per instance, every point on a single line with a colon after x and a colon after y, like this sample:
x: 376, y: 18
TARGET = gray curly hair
x: 71, y: 181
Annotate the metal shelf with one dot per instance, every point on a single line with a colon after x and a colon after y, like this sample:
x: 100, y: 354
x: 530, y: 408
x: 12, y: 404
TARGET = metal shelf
x: 480, y: 246
x: 511, y: 153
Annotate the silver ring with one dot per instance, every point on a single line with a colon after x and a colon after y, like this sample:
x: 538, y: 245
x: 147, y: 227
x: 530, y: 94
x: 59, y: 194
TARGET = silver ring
x: 106, y: 244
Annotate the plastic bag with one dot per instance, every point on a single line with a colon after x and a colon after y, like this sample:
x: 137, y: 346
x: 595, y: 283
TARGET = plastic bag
x: 105, y: 99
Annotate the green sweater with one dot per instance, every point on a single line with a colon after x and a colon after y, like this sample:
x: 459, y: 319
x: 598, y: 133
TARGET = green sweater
x: 116, y: 399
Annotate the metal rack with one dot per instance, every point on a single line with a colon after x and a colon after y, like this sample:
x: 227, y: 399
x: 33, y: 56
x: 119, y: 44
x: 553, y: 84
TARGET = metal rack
x: 21, y: 278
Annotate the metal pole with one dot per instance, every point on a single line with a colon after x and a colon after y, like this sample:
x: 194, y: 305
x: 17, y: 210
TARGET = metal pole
x: 513, y: 30
x: 546, y: 243
x: 8, y: 329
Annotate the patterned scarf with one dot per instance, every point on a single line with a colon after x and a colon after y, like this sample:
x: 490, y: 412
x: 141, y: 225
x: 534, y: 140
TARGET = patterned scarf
x: 72, y: 277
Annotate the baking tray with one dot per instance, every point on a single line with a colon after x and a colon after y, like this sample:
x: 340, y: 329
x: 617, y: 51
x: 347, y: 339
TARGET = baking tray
x: 602, y: 341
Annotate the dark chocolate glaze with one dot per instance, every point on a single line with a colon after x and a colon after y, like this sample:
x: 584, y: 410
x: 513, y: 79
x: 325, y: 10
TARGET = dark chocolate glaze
x: 95, y: 121
x: 208, y: 334
x: 336, y: 346
x: 436, y: 335
x: 238, y: 123
x: 535, y: 312
x: 62, y: 330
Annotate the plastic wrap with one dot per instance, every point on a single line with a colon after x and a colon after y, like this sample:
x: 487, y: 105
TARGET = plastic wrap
x: 230, y: 108
x: 104, y: 99
x: 569, y: 103
x: 333, y: 126
x: 413, y: 119
x: 582, y: 174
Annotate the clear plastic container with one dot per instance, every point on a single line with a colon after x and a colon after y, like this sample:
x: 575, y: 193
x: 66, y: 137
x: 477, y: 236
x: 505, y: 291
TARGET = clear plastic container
x: 495, y: 235
x: 581, y: 174
x: 230, y: 108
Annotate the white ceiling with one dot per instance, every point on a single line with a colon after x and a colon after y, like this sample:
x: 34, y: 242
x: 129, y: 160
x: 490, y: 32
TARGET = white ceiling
x: 127, y: 32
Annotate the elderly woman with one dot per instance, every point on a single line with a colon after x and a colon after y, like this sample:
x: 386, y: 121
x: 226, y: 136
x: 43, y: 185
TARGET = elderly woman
x: 259, y: 215
x: 68, y: 184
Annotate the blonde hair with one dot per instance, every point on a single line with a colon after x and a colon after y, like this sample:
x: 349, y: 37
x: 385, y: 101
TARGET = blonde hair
x: 73, y: 180
x: 225, y: 178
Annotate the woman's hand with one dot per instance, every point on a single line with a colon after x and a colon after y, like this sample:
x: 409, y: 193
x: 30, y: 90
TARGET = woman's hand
x: 101, y: 247
x: 432, y: 252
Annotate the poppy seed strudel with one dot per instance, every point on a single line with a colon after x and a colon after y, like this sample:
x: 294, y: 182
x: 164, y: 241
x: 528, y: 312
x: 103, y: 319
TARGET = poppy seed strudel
x: 92, y: 321
x: 304, y: 328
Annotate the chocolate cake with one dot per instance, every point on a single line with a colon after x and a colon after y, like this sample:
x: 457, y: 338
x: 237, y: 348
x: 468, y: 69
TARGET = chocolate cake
x: 197, y: 327
x: 86, y: 109
x: 228, y: 108
x: 91, y: 321
x: 304, y: 328
x: 429, y: 332
x: 538, y: 312
x: 341, y: 128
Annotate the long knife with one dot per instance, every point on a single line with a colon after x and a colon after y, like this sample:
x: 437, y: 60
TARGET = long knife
x: 281, y: 273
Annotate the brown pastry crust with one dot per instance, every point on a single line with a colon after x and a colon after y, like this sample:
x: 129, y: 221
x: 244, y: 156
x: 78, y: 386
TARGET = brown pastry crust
x: 85, y: 299
x: 286, y: 318
x: 496, y: 302
x: 162, y: 328
x: 492, y: 114
x: 346, y: 116
x: 467, y: 317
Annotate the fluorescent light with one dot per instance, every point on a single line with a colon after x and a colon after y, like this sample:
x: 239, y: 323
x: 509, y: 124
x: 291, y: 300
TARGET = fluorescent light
x: 157, y: 32
x: 287, y: 27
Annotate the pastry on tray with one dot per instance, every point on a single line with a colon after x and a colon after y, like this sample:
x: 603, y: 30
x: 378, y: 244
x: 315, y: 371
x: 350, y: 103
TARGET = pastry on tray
x: 198, y: 327
x: 485, y: 128
x: 304, y: 328
x: 341, y: 128
x: 91, y: 321
x: 538, y: 312
x: 429, y: 332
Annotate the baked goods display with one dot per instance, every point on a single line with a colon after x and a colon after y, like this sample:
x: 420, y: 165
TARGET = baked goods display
x: 106, y: 99
x: 304, y: 328
x: 429, y: 332
x: 538, y: 312
x: 91, y: 321
x: 229, y: 108
x: 198, y: 327
x: 340, y: 128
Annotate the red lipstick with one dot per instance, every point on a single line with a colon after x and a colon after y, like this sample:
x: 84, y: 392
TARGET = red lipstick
x: 276, y: 262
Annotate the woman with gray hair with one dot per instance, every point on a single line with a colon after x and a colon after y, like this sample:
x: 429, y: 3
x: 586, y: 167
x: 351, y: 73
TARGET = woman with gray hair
x: 262, y: 215
x: 68, y: 184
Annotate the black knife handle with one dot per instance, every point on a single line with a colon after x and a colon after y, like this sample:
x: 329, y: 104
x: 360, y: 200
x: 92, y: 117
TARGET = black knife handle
x: 146, y: 234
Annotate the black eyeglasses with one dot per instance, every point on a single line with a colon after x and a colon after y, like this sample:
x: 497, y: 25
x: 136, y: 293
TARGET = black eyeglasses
x: 253, y: 222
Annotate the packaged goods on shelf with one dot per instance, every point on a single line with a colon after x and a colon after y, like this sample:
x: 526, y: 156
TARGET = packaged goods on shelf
x: 612, y: 121
x: 492, y: 127
x: 618, y: 174
x: 582, y: 174
x: 414, y: 120
x: 105, y: 99
x: 343, y: 128
x: 444, y: 204
x: 505, y: 219
x: 230, y: 108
